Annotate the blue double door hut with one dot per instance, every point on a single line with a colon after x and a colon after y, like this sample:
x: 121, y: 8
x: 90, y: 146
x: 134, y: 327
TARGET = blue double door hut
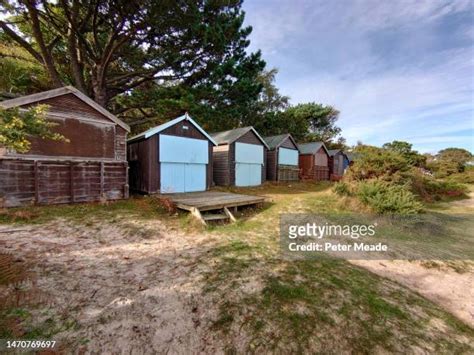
x: 173, y: 157
x: 239, y: 158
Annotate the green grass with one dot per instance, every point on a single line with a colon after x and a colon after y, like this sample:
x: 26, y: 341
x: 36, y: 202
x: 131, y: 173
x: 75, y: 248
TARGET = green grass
x: 137, y: 207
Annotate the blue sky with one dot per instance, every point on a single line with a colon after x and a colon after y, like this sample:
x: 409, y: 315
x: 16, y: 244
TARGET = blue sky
x: 397, y: 70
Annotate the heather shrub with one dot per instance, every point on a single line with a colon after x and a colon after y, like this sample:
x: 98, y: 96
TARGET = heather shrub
x: 384, y: 197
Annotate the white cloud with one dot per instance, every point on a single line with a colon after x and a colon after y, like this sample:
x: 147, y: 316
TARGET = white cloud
x: 413, y: 88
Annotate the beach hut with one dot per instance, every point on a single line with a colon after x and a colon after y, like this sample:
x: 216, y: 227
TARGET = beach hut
x: 173, y: 157
x: 338, y: 162
x: 90, y: 166
x: 313, y: 161
x: 239, y: 157
x: 282, y: 158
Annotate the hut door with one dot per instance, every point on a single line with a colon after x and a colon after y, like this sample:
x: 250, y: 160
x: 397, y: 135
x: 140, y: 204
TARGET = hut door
x: 248, y: 164
x: 183, y: 163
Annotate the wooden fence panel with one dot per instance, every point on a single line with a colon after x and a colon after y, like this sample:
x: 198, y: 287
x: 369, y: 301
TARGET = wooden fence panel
x: 25, y: 182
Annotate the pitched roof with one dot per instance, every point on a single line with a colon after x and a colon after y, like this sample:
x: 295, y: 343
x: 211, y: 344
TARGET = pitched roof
x: 311, y: 148
x: 24, y: 100
x: 230, y: 136
x: 333, y: 152
x: 158, y: 129
x: 275, y: 141
x: 351, y: 156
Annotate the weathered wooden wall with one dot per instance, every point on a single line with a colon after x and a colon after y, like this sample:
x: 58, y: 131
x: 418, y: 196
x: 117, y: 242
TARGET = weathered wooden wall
x: 272, y: 161
x: 221, y: 168
x: 90, y: 134
x: 28, y: 181
x: 288, y: 173
x: 144, y: 165
x: 92, y: 166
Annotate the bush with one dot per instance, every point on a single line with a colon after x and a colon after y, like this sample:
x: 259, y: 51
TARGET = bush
x: 431, y: 189
x: 373, y: 162
x: 466, y: 177
x: 342, y: 188
x: 384, y: 197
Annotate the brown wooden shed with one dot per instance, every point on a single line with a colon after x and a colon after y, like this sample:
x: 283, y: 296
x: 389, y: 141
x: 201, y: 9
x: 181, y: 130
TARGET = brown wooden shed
x: 313, y: 161
x: 173, y: 157
x: 92, y: 166
x: 282, y: 158
x: 239, y: 158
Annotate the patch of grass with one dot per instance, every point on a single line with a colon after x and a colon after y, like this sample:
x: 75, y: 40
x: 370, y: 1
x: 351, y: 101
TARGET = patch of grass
x: 326, y: 305
x: 136, y: 207
x: 317, y: 305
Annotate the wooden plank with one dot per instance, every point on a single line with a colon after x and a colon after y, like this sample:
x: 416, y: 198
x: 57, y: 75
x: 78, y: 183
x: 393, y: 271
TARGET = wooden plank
x: 37, y: 186
x: 101, y: 179
x: 196, y: 213
x: 71, y: 182
x: 230, y: 215
x: 215, y: 217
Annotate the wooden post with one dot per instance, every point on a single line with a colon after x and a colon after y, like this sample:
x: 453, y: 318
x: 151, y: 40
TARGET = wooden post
x: 230, y: 215
x: 71, y: 180
x: 37, y: 185
x: 126, y: 187
x: 102, y: 179
x: 197, y: 214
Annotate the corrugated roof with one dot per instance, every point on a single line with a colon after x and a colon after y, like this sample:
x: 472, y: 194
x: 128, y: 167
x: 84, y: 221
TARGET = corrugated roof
x: 333, y: 152
x: 275, y: 141
x: 230, y: 136
x: 157, y: 129
x: 311, y: 148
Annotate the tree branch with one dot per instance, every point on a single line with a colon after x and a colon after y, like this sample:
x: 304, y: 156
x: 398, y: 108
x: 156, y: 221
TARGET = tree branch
x: 13, y: 35
x: 47, y: 58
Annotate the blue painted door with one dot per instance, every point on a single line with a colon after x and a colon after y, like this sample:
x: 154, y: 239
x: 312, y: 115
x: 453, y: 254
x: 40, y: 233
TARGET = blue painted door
x: 172, y: 177
x: 194, y: 177
x: 183, y: 164
x: 248, y: 164
x: 182, y: 177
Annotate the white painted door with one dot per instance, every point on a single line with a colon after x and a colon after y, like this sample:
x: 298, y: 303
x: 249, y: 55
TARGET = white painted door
x: 248, y: 164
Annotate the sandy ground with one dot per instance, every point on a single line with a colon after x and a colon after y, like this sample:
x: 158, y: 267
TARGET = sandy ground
x: 130, y: 290
x: 454, y: 291
x: 468, y: 203
x: 137, y: 287
x: 451, y: 290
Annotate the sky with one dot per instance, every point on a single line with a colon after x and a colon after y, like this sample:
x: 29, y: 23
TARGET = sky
x: 395, y: 69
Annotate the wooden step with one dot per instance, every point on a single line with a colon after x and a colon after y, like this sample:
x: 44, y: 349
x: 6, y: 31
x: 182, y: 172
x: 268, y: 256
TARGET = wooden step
x: 214, y: 216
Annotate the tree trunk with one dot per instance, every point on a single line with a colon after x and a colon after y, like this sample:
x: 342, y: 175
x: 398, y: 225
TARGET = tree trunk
x: 99, y: 92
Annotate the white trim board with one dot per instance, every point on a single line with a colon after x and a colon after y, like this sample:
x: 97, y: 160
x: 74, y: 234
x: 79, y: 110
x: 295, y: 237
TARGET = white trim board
x: 162, y: 127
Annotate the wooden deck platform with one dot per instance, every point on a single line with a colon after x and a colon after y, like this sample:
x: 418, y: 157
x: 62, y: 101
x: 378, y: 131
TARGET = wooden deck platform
x: 198, y: 202
x: 212, y: 200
